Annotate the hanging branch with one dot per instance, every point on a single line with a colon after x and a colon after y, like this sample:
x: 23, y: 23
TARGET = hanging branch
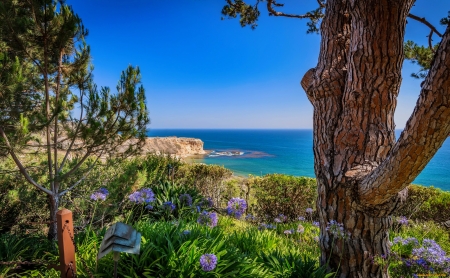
x: 424, y: 21
x: 271, y: 3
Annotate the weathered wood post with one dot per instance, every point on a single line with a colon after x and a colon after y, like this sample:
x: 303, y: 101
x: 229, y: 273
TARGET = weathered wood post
x: 66, y: 244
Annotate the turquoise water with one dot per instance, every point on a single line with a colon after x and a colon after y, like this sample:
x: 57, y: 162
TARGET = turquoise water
x: 284, y: 151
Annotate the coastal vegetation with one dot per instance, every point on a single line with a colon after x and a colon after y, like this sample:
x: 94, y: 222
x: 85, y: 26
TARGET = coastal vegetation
x: 360, y: 166
x: 256, y: 226
x: 64, y: 143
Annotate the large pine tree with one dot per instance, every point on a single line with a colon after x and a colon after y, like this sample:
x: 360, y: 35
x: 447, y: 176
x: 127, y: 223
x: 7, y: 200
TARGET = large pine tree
x: 48, y: 100
x: 360, y: 167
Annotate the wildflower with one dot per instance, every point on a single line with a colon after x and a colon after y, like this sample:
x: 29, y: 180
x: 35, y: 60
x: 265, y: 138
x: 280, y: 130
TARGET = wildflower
x: 208, y: 203
x: 309, y: 210
x: 149, y: 207
x: 208, y: 218
x: 315, y: 223
x: 236, y: 207
x: 280, y: 218
x: 100, y: 194
x: 402, y: 220
x: 250, y: 217
x: 208, y: 262
x: 301, y: 218
x: 185, y: 200
x: 300, y: 229
x: 336, y: 229
x: 288, y: 232
x: 186, y: 232
x: 169, y: 206
x: 145, y: 195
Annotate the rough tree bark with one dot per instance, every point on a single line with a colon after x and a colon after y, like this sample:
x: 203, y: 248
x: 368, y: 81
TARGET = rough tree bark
x: 360, y: 167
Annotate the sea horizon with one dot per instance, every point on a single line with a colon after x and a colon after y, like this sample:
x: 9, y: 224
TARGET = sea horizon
x: 282, y: 151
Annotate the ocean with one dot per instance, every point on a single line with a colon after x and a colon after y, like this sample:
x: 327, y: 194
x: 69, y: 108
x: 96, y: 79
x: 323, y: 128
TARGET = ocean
x: 260, y: 152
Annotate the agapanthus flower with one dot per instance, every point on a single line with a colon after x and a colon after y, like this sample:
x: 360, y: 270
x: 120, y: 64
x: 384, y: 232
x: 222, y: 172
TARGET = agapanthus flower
x: 208, y: 262
x: 186, y: 232
x: 315, y: 223
x: 185, y: 200
x: 100, y: 194
x: 208, y: 218
x: 402, y: 220
x: 236, y: 207
x: 169, y: 206
x: 336, y: 229
x: 288, y: 232
x: 309, y: 210
x: 301, y: 218
x: 149, y: 207
x: 145, y: 195
x: 250, y: 217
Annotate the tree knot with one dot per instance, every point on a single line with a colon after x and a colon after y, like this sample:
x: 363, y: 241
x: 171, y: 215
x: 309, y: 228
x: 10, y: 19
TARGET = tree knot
x: 361, y: 170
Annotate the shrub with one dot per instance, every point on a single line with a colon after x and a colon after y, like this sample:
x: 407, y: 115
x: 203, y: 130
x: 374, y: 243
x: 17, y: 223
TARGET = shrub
x: 426, y: 203
x: 209, y: 180
x: 278, y: 194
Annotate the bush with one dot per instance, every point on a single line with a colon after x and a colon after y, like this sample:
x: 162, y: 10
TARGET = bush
x: 277, y: 194
x: 426, y: 204
x: 209, y: 180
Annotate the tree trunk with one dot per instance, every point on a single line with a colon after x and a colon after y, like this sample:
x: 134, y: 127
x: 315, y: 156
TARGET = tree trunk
x: 53, y: 204
x: 360, y: 168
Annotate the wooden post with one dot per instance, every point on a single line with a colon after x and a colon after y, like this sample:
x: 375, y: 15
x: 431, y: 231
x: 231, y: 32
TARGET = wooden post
x: 65, y: 243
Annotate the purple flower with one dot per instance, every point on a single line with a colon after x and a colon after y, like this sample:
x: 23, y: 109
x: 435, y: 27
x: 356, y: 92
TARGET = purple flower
x: 250, y: 217
x: 186, y: 232
x: 149, y: 207
x: 336, y: 229
x: 185, y: 200
x: 236, y: 207
x: 301, y: 218
x: 402, y: 220
x: 100, y: 194
x: 288, y: 232
x: 315, y: 223
x: 208, y: 218
x: 208, y: 262
x: 168, y: 206
x: 280, y: 218
x: 208, y: 203
x: 309, y: 210
x: 145, y: 195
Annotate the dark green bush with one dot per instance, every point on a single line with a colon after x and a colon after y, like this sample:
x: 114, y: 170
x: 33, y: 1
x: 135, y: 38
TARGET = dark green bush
x: 426, y: 204
x: 277, y: 194
x: 209, y: 180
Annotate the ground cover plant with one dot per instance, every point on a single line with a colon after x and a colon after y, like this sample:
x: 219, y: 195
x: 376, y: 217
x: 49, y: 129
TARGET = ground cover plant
x: 180, y: 226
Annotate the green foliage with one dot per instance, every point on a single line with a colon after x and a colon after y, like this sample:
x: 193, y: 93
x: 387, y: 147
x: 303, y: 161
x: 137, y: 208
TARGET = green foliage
x: 277, y: 194
x: 420, y: 55
x: 209, y: 180
x: 426, y: 204
x: 249, y: 14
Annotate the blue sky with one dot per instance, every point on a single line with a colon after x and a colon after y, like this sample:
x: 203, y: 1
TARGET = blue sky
x: 203, y: 72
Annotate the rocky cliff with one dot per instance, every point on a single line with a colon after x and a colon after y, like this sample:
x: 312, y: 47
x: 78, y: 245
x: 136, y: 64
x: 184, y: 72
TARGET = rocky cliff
x: 179, y: 146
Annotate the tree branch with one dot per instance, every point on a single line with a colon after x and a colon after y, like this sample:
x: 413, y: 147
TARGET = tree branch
x: 430, y: 44
x: 20, y: 166
x: 424, y: 21
x: 270, y: 8
x: 425, y: 132
x: 82, y: 178
x: 73, y: 139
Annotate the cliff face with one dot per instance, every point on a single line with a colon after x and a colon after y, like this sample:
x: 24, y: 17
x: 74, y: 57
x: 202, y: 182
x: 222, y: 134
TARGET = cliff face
x: 181, y: 147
